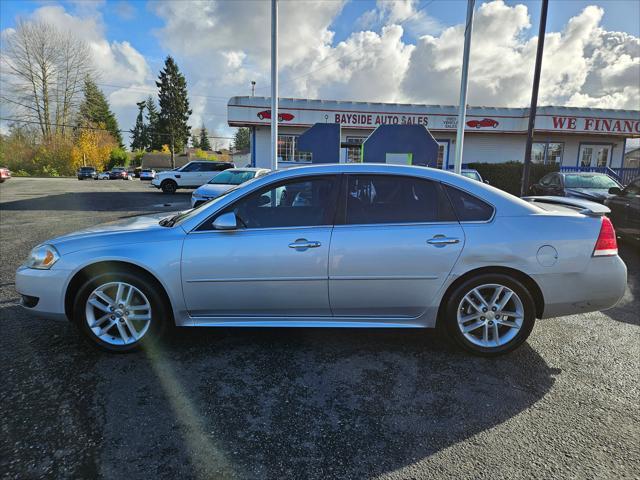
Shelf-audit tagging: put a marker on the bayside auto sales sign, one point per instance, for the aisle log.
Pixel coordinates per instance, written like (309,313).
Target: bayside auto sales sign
(245,111)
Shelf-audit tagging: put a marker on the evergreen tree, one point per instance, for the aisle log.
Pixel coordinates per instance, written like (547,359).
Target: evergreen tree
(241,139)
(94,111)
(204,139)
(139,138)
(174,107)
(195,143)
(154,138)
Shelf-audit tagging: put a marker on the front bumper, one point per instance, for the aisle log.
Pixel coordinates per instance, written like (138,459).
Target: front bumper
(48,286)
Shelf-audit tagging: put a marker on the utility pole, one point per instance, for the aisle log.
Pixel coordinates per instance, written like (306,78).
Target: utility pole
(524,187)
(462,112)
(274,84)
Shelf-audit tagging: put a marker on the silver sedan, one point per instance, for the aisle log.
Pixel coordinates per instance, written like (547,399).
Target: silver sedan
(366,246)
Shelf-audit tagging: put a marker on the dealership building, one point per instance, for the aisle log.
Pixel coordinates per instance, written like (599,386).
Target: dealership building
(571,137)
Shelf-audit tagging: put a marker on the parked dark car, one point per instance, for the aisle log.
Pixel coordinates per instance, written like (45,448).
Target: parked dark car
(473,175)
(87,172)
(119,173)
(585,185)
(625,209)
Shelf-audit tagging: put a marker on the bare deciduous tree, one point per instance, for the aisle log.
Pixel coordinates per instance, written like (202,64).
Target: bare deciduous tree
(43,71)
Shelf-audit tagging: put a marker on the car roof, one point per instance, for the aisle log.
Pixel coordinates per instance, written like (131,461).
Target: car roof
(584,174)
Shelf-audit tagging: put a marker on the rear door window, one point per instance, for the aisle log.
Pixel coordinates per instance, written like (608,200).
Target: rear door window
(468,208)
(388,199)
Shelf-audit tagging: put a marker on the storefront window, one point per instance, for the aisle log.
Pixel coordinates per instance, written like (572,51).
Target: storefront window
(594,155)
(547,152)
(354,148)
(288,151)
(537,152)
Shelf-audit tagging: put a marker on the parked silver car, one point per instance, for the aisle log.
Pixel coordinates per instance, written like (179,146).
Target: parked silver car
(351,245)
(224,182)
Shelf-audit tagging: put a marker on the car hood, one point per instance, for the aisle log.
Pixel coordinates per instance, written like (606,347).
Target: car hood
(593,194)
(125,231)
(213,189)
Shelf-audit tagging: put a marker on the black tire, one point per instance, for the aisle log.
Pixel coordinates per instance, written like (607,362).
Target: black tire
(454,300)
(161,318)
(169,186)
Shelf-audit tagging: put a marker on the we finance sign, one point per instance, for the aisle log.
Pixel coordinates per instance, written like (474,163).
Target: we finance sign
(595,125)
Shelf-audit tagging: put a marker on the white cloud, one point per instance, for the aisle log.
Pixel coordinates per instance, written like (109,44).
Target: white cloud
(583,65)
(226,45)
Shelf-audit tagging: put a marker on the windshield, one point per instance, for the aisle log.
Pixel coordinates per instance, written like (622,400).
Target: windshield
(232,177)
(471,175)
(599,182)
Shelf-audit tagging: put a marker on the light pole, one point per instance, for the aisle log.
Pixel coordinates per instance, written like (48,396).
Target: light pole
(524,187)
(462,112)
(274,84)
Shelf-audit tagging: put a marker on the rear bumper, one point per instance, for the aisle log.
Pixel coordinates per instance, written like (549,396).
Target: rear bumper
(600,286)
(47,286)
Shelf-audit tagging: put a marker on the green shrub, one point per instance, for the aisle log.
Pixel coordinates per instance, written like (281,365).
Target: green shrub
(507,176)
(118,158)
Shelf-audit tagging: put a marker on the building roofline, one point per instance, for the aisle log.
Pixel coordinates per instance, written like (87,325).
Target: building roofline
(244,98)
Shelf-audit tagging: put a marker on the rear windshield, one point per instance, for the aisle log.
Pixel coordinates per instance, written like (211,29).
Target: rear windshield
(601,182)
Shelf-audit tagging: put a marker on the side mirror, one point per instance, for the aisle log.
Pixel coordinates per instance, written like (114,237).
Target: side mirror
(487,182)
(615,191)
(226,221)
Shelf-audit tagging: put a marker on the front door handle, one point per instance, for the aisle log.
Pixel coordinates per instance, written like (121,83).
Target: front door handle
(442,240)
(302,243)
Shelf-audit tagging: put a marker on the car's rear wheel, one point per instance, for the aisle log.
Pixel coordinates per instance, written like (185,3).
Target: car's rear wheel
(169,186)
(490,314)
(120,311)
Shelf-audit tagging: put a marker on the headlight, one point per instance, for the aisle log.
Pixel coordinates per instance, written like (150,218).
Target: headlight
(42,257)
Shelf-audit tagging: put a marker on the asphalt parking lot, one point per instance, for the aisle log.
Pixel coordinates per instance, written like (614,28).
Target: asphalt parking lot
(295,403)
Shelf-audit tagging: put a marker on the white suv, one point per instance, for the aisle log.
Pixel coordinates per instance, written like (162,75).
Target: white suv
(192,175)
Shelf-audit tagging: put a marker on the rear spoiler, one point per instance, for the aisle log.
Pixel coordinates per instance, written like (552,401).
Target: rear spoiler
(585,207)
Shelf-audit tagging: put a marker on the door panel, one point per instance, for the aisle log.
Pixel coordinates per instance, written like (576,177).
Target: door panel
(389,270)
(274,262)
(397,243)
(256,272)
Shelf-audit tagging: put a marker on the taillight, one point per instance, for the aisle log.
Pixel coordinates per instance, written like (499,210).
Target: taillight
(606,245)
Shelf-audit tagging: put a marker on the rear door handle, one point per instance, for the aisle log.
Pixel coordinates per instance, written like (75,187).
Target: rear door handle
(442,240)
(304,244)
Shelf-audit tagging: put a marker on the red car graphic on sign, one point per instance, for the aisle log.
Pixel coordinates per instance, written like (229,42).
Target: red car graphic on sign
(266,114)
(485,122)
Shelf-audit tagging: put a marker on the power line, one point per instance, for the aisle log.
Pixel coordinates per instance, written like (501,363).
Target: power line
(52,124)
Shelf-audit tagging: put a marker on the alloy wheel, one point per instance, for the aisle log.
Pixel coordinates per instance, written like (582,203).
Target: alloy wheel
(118,313)
(490,315)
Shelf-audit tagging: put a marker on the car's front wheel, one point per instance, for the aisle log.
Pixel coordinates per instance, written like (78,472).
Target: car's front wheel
(169,186)
(120,311)
(490,314)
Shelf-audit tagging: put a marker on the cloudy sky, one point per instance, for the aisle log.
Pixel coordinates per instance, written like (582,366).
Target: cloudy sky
(385,51)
